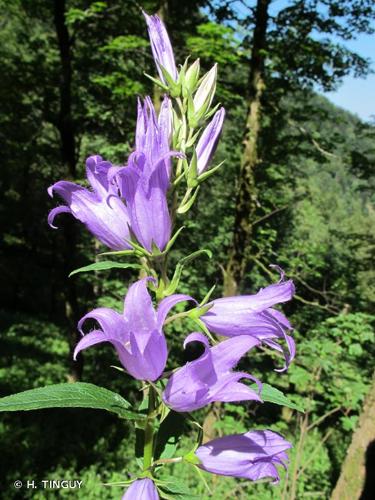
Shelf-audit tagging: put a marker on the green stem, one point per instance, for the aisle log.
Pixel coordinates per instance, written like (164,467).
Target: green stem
(149,432)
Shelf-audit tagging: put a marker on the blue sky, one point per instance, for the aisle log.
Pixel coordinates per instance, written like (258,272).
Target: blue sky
(354,94)
(357,94)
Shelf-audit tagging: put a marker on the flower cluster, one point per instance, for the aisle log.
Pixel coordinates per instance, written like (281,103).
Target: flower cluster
(128,210)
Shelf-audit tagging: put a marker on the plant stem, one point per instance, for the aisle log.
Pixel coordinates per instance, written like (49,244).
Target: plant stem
(149,432)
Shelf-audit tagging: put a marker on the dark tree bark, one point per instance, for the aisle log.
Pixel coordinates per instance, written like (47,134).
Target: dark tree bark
(65,125)
(246,199)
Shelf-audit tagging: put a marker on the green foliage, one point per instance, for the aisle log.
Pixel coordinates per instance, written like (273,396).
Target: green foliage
(77,395)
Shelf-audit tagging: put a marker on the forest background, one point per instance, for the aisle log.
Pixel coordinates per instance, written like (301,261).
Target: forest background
(296,190)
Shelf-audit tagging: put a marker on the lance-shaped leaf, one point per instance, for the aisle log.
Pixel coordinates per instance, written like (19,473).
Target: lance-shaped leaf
(103,266)
(270,394)
(69,395)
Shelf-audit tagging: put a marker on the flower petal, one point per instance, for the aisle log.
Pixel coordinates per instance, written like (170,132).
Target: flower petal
(227,354)
(57,211)
(111,322)
(139,312)
(93,338)
(141,489)
(166,305)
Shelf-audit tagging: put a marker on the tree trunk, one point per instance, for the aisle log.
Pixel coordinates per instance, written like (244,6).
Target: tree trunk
(246,199)
(65,125)
(246,194)
(357,479)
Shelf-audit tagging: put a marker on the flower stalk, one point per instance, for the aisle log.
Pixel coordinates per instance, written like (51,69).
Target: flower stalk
(148,449)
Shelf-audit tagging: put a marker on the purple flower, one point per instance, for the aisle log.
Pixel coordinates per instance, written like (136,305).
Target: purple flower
(142,489)
(144,182)
(136,334)
(210,377)
(253,315)
(161,47)
(146,201)
(101,209)
(207,143)
(253,455)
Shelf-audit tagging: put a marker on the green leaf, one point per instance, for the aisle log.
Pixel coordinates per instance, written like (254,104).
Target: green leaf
(272,395)
(169,434)
(175,490)
(69,395)
(104,265)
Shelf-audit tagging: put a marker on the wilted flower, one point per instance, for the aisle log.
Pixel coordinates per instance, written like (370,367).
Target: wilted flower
(207,143)
(161,47)
(136,334)
(101,210)
(253,315)
(253,455)
(210,377)
(142,489)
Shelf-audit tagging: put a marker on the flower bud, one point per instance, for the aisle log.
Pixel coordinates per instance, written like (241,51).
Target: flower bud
(207,143)
(161,49)
(205,94)
(191,77)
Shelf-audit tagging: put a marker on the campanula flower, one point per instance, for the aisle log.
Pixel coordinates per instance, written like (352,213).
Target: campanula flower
(253,455)
(253,315)
(161,47)
(210,377)
(144,182)
(142,489)
(146,200)
(207,143)
(137,334)
(101,210)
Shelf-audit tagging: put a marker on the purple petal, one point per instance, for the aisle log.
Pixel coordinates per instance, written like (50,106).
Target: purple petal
(207,143)
(93,338)
(57,211)
(161,46)
(110,321)
(139,312)
(252,455)
(166,305)
(146,365)
(97,174)
(196,337)
(141,489)
(108,223)
(227,354)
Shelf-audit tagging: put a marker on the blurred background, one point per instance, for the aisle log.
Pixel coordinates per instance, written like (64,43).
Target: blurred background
(70,74)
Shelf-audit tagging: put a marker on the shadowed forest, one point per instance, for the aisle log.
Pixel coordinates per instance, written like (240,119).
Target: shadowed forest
(296,189)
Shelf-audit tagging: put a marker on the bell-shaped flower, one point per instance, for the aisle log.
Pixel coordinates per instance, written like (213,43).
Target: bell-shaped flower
(142,489)
(207,143)
(210,377)
(137,333)
(253,455)
(146,201)
(101,210)
(161,47)
(254,315)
